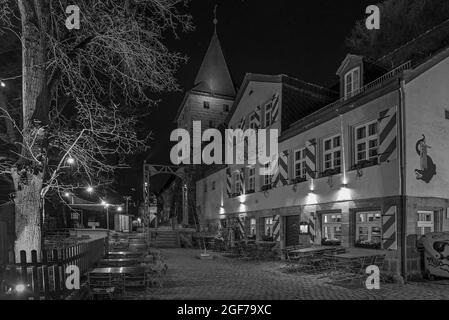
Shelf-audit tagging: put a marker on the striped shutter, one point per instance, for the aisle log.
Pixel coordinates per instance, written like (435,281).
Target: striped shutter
(389,233)
(282,179)
(228,181)
(312,229)
(241,227)
(388,133)
(275,176)
(311,158)
(258,116)
(275,108)
(276,228)
(242,181)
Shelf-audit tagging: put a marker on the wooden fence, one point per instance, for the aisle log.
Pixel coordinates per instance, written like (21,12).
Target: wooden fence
(46,276)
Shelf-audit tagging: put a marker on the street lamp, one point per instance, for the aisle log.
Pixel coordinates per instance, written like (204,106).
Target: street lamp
(67,195)
(90,189)
(70,161)
(2,84)
(119,209)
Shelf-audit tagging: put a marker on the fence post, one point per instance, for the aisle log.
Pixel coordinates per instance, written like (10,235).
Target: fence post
(23,267)
(46,288)
(56,273)
(36,284)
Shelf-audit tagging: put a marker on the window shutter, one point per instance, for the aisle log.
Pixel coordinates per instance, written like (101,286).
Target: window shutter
(388,133)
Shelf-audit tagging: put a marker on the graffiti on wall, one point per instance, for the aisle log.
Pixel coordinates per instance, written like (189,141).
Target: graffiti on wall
(427,168)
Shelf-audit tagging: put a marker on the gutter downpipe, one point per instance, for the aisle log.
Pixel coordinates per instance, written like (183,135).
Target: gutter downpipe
(403,206)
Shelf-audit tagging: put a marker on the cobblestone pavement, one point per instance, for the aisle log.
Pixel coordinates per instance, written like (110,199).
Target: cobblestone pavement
(223,278)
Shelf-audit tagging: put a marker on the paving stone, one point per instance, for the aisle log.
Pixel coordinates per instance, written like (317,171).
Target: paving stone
(189,278)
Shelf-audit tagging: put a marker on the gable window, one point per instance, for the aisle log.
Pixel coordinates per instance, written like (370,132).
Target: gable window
(368,228)
(268,115)
(425,222)
(252,179)
(206,105)
(300,164)
(226,108)
(252,121)
(332,227)
(352,82)
(366,143)
(332,154)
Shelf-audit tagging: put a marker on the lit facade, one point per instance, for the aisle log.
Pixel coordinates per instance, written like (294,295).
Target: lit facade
(370,170)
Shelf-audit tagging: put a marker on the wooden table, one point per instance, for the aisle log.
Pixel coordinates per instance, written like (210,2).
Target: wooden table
(120,262)
(311,250)
(133,270)
(127,254)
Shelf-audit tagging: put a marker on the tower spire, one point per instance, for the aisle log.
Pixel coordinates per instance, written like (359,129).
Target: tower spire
(215,19)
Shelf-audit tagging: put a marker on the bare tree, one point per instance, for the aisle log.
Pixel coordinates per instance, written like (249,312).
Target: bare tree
(80,93)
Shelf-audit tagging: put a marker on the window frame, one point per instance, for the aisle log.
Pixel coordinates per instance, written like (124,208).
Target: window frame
(206,105)
(332,152)
(332,224)
(422,224)
(252,179)
(366,141)
(368,224)
(237,182)
(351,73)
(270,233)
(265,176)
(252,121)
(302,162)
(253,227)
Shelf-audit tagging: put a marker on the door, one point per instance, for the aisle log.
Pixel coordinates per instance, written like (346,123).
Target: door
(291,230)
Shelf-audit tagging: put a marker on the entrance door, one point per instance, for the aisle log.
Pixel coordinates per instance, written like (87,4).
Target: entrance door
(292,230)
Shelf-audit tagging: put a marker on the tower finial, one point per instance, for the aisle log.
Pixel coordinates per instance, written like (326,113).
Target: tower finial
(215,18)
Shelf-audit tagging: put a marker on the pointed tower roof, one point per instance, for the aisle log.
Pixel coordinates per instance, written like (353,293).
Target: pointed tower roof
(213,76)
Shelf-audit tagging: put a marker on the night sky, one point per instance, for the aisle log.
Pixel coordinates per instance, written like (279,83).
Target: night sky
(303,39)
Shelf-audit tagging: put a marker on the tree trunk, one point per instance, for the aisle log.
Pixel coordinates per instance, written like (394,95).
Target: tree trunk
(28,174)
(28,206)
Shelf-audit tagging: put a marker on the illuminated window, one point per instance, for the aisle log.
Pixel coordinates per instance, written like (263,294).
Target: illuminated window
(269,226)
(331,226)
(332,153)
(253,227)
(366,142)
(425,222)
(368,227)
(352,82)
(300,164)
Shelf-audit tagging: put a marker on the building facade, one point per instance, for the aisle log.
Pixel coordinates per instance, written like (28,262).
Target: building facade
(368,170)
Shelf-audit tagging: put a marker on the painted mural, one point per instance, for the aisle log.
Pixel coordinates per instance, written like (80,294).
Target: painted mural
(427,168)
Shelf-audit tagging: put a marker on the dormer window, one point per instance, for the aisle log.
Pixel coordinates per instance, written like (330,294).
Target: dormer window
(352,82)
